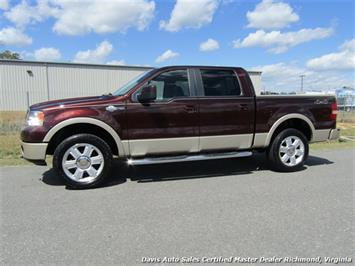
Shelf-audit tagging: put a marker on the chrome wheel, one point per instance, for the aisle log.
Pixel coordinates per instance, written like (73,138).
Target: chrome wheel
(83,162)
(291,151)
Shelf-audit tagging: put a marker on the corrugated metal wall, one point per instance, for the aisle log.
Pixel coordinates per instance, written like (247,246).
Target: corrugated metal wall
(15,81)
(24,83)
(76,81)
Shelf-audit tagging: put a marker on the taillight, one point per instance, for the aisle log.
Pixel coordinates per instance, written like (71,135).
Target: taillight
(333,114)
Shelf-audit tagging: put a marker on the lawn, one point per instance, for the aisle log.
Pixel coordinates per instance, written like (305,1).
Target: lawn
(11,122)
(10,125)
(346,116)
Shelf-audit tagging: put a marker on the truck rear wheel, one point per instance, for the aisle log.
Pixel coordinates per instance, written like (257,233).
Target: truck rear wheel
(288,151)
(83,160)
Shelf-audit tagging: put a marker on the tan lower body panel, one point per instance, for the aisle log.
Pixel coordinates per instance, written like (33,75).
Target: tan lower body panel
(143,147)
(260,140)
(34,151)
(222,142)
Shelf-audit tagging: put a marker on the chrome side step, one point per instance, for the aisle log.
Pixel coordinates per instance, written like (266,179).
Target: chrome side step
(188,158)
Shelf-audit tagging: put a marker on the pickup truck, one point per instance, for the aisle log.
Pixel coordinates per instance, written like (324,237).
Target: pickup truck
(175,114)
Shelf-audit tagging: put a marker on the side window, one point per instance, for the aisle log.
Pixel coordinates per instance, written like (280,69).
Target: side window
(170,84)
(220,82)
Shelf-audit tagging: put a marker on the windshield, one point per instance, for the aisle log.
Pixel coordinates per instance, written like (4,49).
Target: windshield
(126,88)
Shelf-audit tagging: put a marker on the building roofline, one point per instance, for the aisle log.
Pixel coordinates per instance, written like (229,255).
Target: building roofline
(11,61)
(15,61)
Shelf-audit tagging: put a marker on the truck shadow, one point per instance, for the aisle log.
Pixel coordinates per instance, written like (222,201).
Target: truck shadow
(182,171)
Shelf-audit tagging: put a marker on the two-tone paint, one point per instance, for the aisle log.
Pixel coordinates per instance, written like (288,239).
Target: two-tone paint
(184,125)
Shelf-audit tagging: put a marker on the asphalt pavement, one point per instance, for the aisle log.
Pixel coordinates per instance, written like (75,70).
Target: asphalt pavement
(210,209)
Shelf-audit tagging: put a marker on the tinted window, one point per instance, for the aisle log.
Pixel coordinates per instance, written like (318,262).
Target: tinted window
(220,82)
(170,84)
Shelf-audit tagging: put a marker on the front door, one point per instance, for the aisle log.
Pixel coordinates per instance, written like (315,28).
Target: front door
(170,123)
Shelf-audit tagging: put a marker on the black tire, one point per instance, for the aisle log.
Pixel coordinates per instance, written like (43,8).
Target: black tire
(79,159)
(275,154)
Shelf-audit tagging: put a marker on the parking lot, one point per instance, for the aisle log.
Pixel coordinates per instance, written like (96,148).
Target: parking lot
(234,207)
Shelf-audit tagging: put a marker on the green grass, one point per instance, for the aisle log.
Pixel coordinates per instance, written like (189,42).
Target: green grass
(347,128)
(10,126)
(348,117)
(10,146)
(10,151)
(11,123)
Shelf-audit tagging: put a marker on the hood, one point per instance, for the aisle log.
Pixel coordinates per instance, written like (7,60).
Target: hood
(72,101)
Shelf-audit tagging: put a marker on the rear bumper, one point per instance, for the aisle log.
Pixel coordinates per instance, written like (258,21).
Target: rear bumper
(34,151)
(325,134)
(334,134)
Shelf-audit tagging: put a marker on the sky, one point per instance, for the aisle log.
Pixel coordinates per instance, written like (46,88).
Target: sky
(283,39)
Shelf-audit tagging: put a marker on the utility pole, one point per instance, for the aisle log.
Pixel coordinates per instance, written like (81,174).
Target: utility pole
(302,76)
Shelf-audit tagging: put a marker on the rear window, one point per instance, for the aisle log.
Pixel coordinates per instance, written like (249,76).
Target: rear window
(220,82)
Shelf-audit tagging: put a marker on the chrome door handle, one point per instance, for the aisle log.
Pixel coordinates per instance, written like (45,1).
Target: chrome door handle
(112,108)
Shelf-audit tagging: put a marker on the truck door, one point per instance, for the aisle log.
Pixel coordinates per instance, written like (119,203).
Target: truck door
(226,114)
(169,124)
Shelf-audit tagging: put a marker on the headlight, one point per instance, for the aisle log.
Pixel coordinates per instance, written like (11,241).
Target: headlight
(35,118)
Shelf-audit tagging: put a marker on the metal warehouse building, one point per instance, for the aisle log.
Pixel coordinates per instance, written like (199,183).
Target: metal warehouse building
(23,83)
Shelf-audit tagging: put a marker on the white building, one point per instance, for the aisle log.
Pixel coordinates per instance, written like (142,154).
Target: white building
(24,83)
(255,77)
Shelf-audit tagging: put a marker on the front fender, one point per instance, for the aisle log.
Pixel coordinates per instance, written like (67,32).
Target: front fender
(87,120)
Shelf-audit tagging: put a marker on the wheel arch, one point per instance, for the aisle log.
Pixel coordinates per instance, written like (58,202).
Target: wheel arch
(104,128)
(295,120)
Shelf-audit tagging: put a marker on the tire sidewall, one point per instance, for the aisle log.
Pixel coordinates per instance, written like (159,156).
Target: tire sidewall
(83,138)
(274,157)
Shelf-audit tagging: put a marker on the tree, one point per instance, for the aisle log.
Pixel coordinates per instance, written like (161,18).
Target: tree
(9,55)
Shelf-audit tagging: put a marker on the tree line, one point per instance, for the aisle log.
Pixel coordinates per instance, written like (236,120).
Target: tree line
(9,55)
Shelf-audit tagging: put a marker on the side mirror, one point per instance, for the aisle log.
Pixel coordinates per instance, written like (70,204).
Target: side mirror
(148,94)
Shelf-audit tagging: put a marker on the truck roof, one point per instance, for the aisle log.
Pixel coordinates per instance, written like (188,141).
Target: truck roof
(209,66)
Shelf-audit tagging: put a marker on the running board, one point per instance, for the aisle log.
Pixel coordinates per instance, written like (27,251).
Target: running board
(188,158)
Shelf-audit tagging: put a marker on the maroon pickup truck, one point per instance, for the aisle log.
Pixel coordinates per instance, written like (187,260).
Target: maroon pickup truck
(175,114)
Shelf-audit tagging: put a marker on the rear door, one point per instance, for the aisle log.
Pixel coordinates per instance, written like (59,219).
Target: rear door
(226,113)
(168,125)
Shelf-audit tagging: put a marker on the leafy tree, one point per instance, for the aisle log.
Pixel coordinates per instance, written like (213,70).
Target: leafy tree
(9,55)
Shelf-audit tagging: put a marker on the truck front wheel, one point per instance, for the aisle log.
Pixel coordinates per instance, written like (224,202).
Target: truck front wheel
(288,151)
(83,160)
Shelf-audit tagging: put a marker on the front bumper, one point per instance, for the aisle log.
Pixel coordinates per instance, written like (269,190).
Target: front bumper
(34,151)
